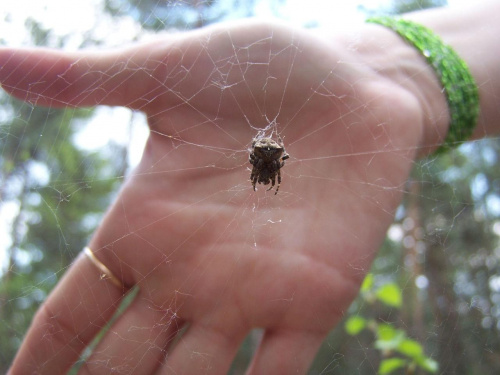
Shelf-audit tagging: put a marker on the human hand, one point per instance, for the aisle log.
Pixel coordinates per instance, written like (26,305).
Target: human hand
(206,250)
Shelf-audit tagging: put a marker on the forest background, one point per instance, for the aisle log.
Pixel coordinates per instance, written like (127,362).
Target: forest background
(430,305)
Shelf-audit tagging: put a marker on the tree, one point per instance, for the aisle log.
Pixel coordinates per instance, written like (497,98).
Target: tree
(57,192)
(181,14)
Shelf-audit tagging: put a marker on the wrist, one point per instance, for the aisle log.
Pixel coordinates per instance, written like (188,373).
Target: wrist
(390,57)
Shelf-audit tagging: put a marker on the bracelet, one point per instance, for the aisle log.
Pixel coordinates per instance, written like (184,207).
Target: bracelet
(456,79)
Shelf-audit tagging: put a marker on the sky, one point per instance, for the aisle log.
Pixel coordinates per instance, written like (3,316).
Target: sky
(66,17)
(75,18)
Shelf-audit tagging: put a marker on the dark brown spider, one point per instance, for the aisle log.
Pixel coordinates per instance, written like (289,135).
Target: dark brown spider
(267,157)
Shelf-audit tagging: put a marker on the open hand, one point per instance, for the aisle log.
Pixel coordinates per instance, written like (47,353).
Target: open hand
(207,252)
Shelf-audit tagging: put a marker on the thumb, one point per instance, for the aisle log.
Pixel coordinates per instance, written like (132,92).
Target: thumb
(56,78)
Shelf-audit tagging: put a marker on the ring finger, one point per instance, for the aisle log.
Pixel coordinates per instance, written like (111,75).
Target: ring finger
(136,342)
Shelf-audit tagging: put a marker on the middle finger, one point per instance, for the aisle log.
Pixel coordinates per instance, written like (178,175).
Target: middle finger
(136,343)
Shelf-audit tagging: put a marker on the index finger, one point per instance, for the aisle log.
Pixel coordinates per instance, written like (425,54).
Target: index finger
(58,78)
(76,310)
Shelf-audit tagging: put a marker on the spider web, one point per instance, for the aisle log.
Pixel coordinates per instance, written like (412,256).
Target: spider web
(470,298)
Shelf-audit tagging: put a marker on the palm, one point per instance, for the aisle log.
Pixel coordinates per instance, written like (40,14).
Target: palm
(209,251)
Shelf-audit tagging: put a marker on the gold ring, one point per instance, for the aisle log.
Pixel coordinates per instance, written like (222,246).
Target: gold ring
(105,271)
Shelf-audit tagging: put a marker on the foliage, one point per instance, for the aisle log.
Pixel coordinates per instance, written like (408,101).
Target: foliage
(58,192)
(397,349)
(405,6)
(55,193)
(449,223)
(182,14)
(160,15)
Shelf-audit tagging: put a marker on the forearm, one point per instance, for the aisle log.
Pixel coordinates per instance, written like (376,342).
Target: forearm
(473,32)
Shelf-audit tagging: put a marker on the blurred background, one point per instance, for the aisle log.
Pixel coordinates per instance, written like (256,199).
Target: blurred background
(432,301)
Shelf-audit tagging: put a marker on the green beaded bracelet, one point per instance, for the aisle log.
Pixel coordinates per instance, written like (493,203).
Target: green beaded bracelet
(458,84)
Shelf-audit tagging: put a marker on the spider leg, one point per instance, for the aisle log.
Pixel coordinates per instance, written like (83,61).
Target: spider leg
(251,159)
(254,181)
(273,182)
(282,162)
(279,182)
(257,166)
(253,177)
(275,168)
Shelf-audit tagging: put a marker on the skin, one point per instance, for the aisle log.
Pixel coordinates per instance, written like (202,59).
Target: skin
(187,227)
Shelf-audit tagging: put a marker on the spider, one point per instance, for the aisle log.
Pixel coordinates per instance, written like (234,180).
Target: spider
(267,157)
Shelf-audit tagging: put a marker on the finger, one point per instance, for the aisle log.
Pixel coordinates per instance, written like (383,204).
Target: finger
(136,342)
(64,325)
(56,78)
(203,350)
(286,352)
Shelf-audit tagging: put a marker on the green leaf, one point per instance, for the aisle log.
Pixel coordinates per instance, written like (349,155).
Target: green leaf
(354,325)
(428,364)
(390,294)
(367,283)
(389,338)
(411,348)
(389,365)
(415,351)
(386,331)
